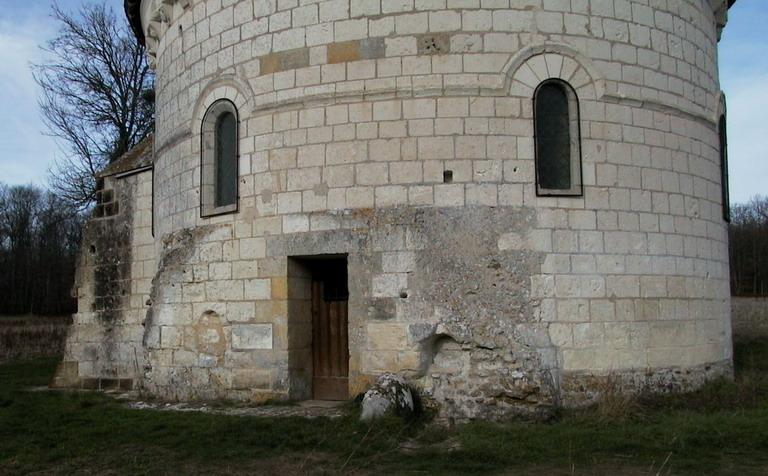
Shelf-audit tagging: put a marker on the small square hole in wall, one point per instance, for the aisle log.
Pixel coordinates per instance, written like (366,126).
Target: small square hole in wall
(433,44)
(447,176)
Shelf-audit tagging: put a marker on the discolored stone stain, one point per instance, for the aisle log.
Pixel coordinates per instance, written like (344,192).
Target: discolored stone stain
(108,238)
(103,336)
(586,388)
(210,338)
(482,316)
(343,51)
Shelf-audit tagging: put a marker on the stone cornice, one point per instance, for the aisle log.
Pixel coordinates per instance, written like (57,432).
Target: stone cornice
(720,7)
(150,18)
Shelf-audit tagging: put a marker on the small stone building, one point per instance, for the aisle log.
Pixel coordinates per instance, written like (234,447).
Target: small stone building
(505,201)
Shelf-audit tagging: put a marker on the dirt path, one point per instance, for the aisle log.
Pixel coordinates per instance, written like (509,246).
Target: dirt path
(308,409)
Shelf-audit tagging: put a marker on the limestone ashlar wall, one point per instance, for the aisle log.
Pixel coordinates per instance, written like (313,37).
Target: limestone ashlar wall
(114,275)
(288,52)
(351,115)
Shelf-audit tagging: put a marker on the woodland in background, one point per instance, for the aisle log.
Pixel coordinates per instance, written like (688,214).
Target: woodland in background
(39,239)
(97,100)
(749,248)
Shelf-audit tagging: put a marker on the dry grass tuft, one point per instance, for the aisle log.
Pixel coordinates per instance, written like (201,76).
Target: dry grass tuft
(615,404)
(28,337)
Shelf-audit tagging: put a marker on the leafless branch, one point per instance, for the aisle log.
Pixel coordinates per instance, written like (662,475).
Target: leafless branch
(95,96)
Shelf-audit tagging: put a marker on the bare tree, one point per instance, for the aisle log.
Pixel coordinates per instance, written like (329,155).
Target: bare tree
(39,236)
(97,96)
(748,240)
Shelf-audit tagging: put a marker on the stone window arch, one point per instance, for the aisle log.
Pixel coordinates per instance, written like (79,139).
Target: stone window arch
(723,145)
(557,139)
(219,136)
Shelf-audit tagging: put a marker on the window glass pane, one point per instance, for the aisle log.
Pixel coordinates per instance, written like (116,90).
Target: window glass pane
(553,137)
(226,159)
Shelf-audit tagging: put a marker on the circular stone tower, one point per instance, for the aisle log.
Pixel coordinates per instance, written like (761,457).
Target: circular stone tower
(506,201)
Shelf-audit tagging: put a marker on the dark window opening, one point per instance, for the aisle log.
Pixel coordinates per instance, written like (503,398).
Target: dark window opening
(722,132)
(556,130)
(553,138)
(219,174)
(226,159)
(448,176)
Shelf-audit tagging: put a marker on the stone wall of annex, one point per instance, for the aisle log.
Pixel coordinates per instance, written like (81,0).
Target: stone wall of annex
(104,347)
(400,133)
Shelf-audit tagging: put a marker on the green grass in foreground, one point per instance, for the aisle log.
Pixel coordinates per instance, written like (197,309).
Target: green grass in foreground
(721,429)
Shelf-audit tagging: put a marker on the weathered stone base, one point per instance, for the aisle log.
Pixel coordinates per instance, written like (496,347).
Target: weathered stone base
(473,383)
(454,313)
(451,312)
(67,376)
(585,388)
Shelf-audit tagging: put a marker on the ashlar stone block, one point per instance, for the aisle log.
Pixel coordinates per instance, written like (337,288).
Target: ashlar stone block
(251,336)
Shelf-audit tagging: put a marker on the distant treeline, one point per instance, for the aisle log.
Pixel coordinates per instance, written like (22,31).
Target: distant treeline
(749,248)
(39,240)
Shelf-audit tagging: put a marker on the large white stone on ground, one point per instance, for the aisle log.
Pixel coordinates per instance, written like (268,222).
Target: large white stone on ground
(390,394)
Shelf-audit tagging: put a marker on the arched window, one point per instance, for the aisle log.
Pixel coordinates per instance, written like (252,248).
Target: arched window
(218,169)
(557,139)
(722,132)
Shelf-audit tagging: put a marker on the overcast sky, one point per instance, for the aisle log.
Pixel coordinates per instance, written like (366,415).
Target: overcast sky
(26,153)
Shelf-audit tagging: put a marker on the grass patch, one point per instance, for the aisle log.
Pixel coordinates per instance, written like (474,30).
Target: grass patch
(720,429)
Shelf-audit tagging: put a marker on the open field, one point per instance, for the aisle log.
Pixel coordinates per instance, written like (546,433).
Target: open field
(722,429)
(25,337)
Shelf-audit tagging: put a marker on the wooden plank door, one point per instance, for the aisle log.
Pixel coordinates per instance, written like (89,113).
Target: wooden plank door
(330,348)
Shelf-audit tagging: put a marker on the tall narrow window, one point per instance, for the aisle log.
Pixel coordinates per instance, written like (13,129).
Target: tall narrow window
(226,159)
(219,172)
(722,132)
(558,148)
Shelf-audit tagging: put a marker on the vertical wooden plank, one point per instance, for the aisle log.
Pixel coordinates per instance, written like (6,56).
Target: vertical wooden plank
(315,326)
(333,324)
(344,339)
(325,342)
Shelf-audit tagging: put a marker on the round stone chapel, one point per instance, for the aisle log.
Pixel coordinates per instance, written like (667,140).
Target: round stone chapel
(507,202)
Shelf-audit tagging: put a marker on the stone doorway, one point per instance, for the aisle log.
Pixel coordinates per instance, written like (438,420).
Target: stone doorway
(318,327)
